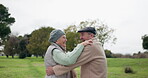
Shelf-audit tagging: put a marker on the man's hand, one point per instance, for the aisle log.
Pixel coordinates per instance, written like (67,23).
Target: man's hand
(49,71)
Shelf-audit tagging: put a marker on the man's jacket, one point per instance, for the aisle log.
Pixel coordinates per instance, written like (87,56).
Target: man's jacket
(92,61)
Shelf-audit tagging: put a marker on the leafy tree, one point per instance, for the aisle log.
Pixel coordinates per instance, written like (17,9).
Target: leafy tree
(104,33)
(11,46)
(72,37)
(108,53)
(23,52)
(145,42)
(22,55)
(5,22)
(38,42)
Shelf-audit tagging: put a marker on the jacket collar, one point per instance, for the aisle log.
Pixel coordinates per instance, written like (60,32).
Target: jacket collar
(57,45)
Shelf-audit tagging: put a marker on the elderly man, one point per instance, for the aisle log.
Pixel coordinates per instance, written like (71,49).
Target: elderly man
(56,53)
(92,60)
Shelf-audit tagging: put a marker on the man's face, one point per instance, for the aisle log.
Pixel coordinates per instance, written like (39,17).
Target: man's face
(62,41)
(85,36)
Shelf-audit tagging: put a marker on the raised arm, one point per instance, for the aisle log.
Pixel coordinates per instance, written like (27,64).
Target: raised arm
(69,57)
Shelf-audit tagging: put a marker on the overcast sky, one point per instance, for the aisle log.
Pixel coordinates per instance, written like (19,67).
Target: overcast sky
(129,18)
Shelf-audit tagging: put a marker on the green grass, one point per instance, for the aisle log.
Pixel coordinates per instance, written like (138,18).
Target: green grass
(21,68)
(34,68)
(116,67)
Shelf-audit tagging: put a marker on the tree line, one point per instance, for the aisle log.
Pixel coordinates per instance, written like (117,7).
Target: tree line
(139,54)
(37,42)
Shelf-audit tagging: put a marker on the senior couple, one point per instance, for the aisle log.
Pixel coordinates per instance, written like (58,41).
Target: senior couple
(89,55)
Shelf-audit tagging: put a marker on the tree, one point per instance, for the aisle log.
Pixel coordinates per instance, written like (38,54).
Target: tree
(104,33)
(108,53)
(5,22)
(145,42)
(72,37)
(11,46)
(23,52)
(38,42)
(118,55)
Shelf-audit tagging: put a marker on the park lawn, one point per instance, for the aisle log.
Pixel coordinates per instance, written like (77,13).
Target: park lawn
(116,67)
(34,68)
(22,68)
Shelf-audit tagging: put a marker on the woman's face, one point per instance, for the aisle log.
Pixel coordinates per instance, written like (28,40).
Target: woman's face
(62,41)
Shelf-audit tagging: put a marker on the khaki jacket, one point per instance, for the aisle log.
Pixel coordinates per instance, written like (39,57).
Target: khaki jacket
(92,61)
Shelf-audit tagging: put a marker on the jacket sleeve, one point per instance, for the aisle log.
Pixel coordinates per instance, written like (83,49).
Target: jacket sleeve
(69,57)
(84,58)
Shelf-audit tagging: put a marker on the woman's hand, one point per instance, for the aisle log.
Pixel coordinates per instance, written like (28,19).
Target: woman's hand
(87,42)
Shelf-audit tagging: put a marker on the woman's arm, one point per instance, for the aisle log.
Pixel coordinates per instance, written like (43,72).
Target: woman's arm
(69,57)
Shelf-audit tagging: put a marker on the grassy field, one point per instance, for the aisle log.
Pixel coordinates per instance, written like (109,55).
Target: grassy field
(34,68)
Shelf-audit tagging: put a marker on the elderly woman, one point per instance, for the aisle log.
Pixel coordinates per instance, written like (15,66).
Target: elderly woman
(56,53)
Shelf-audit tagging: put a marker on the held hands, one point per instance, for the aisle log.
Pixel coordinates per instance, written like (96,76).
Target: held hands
(87,42)
(49,71)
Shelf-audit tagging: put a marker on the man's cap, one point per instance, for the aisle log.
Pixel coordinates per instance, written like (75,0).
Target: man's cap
(55,35)
(88,29)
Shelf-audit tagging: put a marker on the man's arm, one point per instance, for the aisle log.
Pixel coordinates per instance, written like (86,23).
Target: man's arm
(86,56)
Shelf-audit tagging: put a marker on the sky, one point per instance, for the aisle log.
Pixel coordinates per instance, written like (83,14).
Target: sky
(128,17)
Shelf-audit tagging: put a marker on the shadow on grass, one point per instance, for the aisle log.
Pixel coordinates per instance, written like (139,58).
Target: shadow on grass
(2,67)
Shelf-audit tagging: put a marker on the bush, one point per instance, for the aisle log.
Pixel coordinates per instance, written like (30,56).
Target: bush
(128,70)
(22,55)
(29,55)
